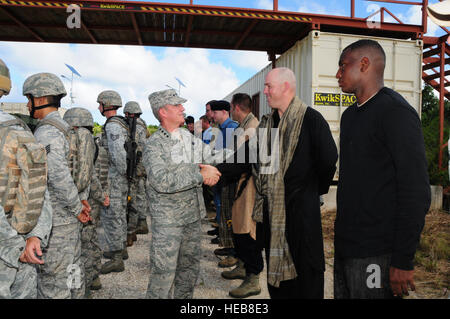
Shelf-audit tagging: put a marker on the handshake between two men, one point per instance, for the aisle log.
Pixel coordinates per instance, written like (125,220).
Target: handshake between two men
(211,175)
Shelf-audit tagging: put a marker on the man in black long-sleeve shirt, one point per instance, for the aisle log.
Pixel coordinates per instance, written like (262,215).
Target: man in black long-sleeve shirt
(383,192)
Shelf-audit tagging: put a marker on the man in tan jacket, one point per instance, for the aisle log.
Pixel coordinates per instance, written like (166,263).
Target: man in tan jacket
(250,262)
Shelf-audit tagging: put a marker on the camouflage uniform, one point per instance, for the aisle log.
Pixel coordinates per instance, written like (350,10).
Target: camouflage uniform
(138,197)
(114,216)
(176,205)
(18,279)
(91,253)
(63,253)
(99,191)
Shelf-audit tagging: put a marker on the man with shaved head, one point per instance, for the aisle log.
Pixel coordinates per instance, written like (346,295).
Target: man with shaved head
(383,191)
(287,205)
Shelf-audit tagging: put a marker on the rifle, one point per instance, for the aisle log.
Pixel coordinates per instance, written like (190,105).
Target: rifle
(131,147)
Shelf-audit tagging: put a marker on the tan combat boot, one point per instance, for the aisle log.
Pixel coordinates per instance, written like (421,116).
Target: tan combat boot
(142,227)
(237,273)
(115,264)
(96,284)
(109,255)
(230,261)
(249,287)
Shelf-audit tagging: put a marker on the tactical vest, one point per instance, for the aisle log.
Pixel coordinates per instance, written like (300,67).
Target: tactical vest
(101,164)
(140,171)
(23,176)
(141,122)
(113,119)
(81,164)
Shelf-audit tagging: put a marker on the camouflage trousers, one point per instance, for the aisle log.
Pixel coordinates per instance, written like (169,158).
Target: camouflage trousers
(91,253)
(138,207)
(174,261)
(62,274)
(113,218)
(18,283)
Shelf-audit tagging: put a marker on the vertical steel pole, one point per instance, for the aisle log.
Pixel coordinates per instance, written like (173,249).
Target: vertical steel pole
(275,5)
(352,9)
(424,16)
(441,103)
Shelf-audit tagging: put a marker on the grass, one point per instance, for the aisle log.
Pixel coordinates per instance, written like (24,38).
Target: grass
(432,259)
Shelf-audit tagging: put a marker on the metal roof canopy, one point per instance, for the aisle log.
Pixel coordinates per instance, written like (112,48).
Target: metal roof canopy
(184,25)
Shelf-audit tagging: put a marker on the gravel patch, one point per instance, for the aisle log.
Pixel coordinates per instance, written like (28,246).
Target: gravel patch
(132,283)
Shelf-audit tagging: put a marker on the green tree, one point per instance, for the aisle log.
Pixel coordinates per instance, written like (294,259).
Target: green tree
(97,129)
(152,128)
(430,127)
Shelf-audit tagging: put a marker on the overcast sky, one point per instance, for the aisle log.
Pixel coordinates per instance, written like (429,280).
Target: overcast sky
(136,71)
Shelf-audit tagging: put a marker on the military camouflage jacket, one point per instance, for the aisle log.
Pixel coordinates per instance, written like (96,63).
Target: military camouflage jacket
(174,182)
(141,130)
(141,137)
(65,201)
(99,182)
(11,243)
(116,135)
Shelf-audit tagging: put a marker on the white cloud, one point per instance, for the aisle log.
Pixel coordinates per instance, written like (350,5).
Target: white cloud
(411,16)
(265,4)
(414,16)
(249,59)
(133,71)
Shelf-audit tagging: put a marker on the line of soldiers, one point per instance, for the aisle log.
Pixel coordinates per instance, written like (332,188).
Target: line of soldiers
(58,182)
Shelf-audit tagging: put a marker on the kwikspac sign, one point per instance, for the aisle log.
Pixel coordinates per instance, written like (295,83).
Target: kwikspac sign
(334,99)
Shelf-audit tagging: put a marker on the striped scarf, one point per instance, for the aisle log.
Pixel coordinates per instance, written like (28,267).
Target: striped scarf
(271,185)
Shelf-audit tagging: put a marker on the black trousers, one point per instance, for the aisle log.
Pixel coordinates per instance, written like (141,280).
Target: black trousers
(307,285)
(362,278)
(208,195)
(248,250)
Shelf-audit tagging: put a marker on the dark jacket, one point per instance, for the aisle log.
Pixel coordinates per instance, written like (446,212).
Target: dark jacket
(309,175)
(383,192)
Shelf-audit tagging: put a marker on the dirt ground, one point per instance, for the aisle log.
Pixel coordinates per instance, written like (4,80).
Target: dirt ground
(431,281)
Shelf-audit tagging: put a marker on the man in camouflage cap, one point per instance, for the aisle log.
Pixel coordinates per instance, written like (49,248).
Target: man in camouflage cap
(137,210)
(175,197)
(81,120)
(20,253)
(63,277)
(113,218)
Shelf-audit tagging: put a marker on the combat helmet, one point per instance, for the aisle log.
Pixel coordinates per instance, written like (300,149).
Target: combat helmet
(110,100)
(5,79)
(132,107)
(79,116)
(44,84)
